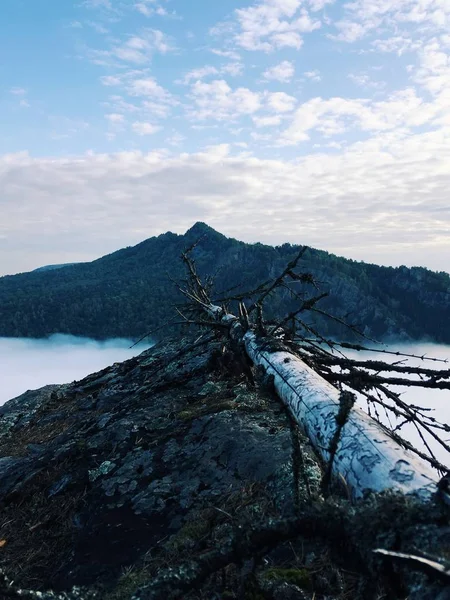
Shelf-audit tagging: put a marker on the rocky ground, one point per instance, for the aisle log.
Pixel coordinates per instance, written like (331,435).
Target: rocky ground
(179,474)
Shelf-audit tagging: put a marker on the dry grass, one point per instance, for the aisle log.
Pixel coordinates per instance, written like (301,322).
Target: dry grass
(16,445)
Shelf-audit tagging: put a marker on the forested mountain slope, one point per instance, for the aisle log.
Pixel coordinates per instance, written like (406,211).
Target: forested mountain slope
(129,292)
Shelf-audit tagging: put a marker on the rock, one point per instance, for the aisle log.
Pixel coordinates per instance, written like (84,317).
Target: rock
(127,458)
(109,483)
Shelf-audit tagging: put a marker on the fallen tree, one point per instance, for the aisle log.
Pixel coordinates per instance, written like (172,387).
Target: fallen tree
(357,449)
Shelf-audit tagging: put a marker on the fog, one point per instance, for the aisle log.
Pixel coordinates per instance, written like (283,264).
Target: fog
(437,400)
(27,364)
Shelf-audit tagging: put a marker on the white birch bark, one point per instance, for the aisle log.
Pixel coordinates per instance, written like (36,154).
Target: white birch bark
(367,457)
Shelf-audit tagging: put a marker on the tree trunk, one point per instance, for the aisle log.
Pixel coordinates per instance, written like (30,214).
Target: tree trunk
(367,458)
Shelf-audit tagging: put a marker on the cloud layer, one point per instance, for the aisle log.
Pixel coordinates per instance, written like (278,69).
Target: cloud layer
(30,364)
(364,201)
(438,401)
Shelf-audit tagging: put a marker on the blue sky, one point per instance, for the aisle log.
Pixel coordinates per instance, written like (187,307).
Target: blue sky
(311,121)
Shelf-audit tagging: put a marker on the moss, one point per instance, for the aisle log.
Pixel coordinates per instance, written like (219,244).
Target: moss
(190,533)
(299,577)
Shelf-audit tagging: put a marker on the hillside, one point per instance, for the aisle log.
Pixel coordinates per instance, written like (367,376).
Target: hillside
(179,474)
(129,292)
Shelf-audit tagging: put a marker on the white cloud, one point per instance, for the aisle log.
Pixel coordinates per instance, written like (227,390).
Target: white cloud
(406,99)
(234,69)
(155,109)
(143,128)
(137,49)
(351,31)
(365,81)
(118,104)
(18,91)
(403,109)
(261,137)
(313,75)
(144,9)
(147,87)
(283,72)
(391,191)
(111,80)
(98,27)
(149,8)
(158,101)
(280,102)
(398,44)
(200,73)
(433,74)
(231,54)
(287,39)
(270,121)
(176,139)
(316,5)
(270,24)
(434,69)
(218,101)
(115,118)
(383,16)
(153,99)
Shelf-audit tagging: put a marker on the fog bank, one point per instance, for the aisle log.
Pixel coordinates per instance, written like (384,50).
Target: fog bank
(27,364)
(436,400)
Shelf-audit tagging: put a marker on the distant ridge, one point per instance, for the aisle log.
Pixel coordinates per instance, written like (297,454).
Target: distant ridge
(128,293)
(53,267)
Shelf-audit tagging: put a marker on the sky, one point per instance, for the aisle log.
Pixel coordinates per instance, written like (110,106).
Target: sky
(318,122)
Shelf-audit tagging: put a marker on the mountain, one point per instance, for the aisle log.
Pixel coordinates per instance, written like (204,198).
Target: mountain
(129,293)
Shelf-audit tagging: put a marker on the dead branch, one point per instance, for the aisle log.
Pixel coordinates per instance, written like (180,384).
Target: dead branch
(324,356)
(418,563)
(287,271)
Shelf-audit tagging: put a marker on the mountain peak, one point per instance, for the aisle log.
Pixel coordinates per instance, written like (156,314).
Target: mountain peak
(199,228)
